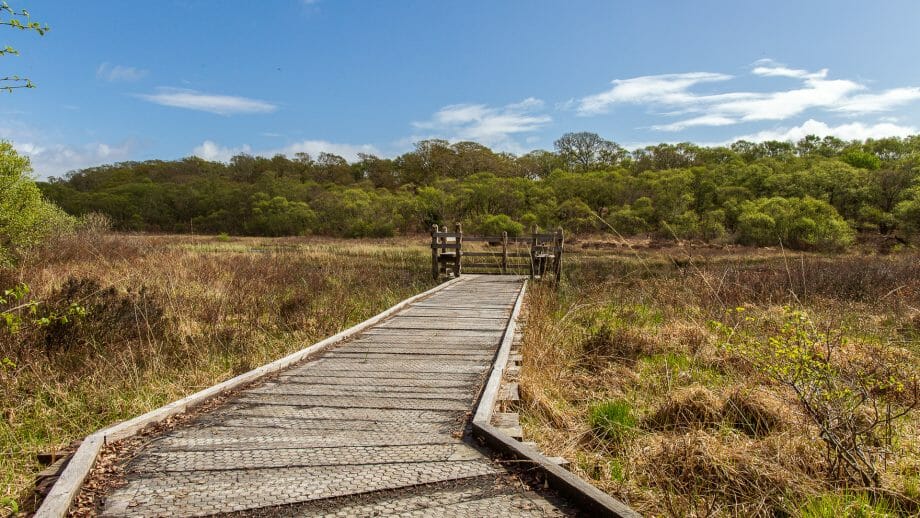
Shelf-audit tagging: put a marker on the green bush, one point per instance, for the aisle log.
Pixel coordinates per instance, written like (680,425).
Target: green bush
(612,419)
(908,213)
(495,225)
(576,215)
(802,223)
(862,159)
(26,219)
(279,217)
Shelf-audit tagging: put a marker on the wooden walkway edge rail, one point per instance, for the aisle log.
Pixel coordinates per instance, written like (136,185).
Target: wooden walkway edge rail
(452,253)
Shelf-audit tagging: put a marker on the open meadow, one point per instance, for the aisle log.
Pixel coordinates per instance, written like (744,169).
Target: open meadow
(684,380)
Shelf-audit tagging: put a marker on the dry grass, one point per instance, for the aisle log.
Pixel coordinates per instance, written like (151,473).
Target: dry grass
(630,336)
(167,316)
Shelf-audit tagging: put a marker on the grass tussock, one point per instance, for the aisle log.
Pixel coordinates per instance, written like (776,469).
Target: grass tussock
(123,324)
(651,376)
(688,408)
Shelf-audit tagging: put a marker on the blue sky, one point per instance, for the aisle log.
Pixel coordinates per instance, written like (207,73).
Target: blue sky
(139,80)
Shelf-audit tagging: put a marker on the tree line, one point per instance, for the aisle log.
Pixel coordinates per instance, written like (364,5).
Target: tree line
(812,194)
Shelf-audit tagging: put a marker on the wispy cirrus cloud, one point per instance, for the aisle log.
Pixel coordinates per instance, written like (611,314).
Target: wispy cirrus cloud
(702,120)
(881,102)
(674,95)
(663,89)
(112,73)
(211,103)
(488,125)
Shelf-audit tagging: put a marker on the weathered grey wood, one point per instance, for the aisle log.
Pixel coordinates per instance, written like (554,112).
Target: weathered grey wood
(459,256)
(509,392)
(504,252)
(487,401)
(434,252)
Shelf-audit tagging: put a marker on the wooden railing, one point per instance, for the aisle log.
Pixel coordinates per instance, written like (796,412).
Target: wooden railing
(538,254)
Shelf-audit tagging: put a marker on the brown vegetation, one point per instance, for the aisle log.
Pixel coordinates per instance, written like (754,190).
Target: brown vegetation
(647,371)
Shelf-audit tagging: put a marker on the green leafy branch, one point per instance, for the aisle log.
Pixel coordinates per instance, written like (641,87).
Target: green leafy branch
(21,20)
(853,400)
(29,311)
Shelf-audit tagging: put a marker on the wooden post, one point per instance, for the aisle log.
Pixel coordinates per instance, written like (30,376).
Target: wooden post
(459,240)
(443,239)
(558,265)
(504,252)
(533,251)
(435,271)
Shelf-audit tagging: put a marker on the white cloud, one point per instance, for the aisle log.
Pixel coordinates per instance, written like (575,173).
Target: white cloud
(212,103)
(769,68)
(210,150)
(658,89)
(57,159)
(885,101)
(703,120)
(110,72)
(850,131)
(490,126)
(672,94)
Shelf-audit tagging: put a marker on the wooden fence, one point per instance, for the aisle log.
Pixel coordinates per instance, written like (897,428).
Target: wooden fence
(537,254)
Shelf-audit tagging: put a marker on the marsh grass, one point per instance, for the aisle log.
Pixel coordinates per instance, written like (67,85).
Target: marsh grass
(710,433)
(167,316)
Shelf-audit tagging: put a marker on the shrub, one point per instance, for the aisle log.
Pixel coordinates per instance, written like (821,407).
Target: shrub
(853,398)
(26,219)
(576,215)
(682,226)
(81,312)
(712,225)
(633,219)
(496,224)
(862,159)
(803,223)
(612,419)
(627,222)
(908,213)
(279,217)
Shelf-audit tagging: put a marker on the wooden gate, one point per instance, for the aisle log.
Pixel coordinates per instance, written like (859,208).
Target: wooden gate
(538,254)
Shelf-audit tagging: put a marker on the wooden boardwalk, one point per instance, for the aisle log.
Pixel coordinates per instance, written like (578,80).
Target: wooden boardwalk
(372,427)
